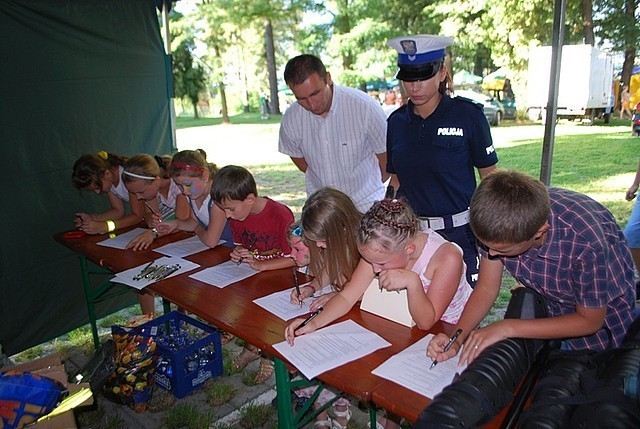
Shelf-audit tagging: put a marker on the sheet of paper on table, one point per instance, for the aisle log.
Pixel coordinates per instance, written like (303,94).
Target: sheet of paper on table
(279,303)
(186,247)
(328,348)
(121,240)
(224,274)
(126,277)
(410,369)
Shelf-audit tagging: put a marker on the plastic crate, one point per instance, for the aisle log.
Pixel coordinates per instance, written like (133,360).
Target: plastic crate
(189,352)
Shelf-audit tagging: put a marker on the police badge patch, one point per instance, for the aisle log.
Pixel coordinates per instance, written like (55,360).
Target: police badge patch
(409,47)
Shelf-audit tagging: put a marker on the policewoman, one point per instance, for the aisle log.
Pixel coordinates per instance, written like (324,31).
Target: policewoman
(435,142)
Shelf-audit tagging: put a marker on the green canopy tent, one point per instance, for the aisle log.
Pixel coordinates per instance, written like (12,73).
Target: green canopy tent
(76,76)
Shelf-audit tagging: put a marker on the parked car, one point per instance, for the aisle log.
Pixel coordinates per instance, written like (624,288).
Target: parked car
(493,111)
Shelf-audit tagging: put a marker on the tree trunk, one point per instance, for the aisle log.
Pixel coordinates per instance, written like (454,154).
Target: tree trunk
(274,104)
(195,110)
(223,102)
(587,22)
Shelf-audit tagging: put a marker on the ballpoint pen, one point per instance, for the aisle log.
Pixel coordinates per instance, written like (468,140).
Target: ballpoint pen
(295,282)
(249,249)
(309,319)
(448,346)
(146,203)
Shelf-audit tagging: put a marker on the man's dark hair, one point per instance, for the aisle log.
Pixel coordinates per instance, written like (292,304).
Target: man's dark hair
(299,68)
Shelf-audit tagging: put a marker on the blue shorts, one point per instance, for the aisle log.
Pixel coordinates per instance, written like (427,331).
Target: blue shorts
(632,230)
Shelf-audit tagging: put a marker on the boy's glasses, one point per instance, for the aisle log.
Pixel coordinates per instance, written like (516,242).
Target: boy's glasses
(297,232)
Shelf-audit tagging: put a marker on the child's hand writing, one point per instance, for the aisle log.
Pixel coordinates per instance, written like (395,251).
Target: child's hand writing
(305,292)
(241,254)
(167,227)
(292,330)
(435,349)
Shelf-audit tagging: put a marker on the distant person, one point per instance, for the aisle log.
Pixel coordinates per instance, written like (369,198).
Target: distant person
(559,243)
(632,230)
(625,98)
(335,135)
(390,102)
(259,227)
(436,143)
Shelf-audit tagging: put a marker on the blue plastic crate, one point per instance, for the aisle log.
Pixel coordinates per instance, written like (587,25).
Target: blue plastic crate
(189,352)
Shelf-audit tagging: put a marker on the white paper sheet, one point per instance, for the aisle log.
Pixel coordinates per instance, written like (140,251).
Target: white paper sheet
(121,240)
(182,248)
(126,277)
(279,303)
(224,274)
(330,347)
(410,368)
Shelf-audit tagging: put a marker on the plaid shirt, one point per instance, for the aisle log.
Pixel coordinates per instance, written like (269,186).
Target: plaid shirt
(584,260)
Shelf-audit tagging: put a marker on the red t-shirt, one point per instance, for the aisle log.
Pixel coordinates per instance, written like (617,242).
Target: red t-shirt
(267,231)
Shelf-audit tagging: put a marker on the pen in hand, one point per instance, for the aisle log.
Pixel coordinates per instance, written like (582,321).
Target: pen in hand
(309,319)
(448,346)
(249,249)
(295,282)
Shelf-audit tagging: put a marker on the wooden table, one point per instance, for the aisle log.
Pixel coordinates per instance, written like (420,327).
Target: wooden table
(232,309)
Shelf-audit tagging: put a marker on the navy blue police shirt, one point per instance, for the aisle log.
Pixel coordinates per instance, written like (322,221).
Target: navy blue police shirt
(434,158)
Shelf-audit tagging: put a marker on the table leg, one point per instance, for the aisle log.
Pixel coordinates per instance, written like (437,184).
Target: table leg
(373,421)
(283,392)
(88,295)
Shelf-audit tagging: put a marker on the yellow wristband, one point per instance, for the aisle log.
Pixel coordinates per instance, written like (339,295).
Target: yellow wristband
(111,226)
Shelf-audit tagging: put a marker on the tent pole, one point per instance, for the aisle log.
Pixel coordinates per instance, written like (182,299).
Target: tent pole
(552,102)
(166,6)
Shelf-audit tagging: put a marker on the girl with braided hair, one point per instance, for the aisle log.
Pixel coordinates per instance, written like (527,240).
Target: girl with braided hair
(392,247)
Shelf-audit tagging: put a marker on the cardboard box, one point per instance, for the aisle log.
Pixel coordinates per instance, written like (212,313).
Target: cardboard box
(51,366)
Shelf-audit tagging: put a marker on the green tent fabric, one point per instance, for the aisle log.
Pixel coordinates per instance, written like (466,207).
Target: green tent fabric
(76,76)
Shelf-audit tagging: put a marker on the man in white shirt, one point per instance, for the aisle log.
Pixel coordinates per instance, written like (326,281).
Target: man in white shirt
(334,134)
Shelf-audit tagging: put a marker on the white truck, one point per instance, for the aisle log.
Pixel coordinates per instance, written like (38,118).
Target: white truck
(585,87)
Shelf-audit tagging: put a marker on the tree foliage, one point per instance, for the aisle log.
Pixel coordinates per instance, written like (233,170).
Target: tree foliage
(189,77)
(250,40)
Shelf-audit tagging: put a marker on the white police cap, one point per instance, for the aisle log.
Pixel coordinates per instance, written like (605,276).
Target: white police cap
(419,55)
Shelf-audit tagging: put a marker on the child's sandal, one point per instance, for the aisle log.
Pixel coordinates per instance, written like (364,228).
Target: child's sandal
(265,371)
(241,361)
(346,415)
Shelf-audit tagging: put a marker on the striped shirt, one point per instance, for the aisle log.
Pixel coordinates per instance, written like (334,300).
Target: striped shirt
(341,148)
(584,260)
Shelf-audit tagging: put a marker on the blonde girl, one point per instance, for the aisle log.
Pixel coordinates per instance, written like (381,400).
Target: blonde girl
(194,177)
(146,179)
(329,222)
